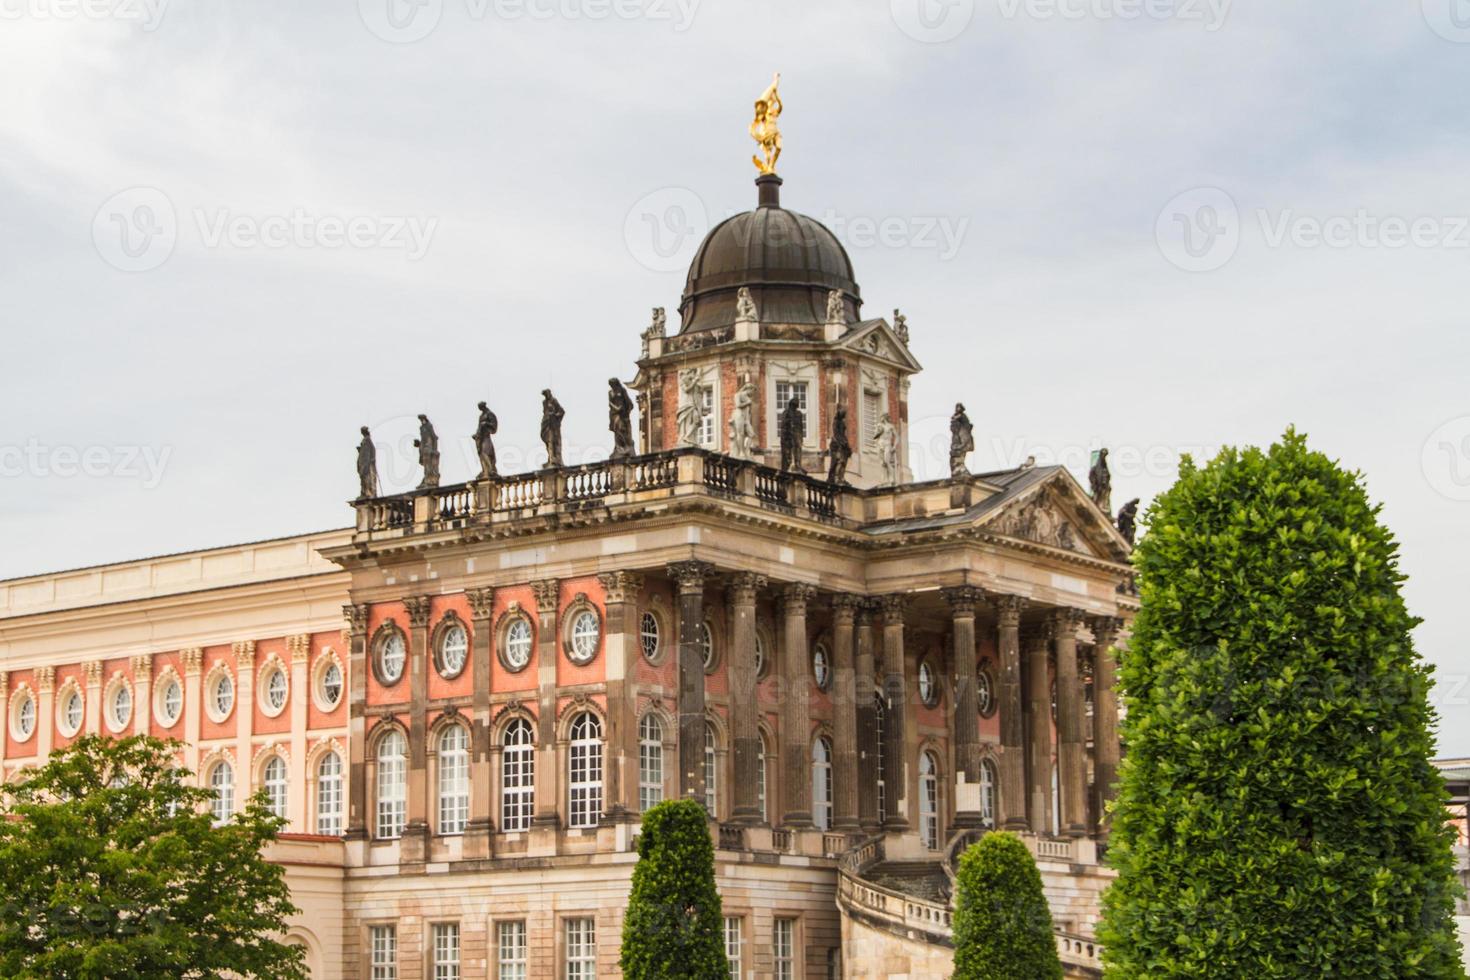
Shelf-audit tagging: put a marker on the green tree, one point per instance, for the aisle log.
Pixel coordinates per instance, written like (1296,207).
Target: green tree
(1277,815)
(1002,925)
(674,925)
(110,870)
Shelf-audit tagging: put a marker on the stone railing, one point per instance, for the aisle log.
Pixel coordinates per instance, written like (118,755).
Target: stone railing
(1079,952)
(905,913)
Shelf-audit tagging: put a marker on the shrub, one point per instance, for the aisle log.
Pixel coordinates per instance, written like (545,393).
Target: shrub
(674,925)
(1002,925)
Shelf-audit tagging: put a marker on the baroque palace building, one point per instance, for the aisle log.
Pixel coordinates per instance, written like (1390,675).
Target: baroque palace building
(462,703)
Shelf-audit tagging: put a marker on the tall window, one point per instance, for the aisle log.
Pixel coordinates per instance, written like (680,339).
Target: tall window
(929,801)
(650,761)
(734,945)
(880,719)
(787,390)
(329,795)
(383,952)
(446,951)
(584,768)
(1056,802)
(822,783)
(122,705)
(392,784)
(222,781)
(581,949)
(711,771)
(707,415)
(987,792)
(275,785)
(454,780)
(517,776)
(510,950)
(760,765)
(872,412)
(785,949)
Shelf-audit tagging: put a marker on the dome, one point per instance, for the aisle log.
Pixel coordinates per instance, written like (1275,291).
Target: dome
(789,261)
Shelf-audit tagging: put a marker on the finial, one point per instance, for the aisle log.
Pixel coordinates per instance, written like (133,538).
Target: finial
(766,130)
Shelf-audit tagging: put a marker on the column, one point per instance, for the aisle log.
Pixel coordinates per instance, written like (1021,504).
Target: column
(244,651)
(193,704)
(865,694)
(620,591)
(414,847)
(844,709)
(4,721)
(1106,751)
(690,576)
(962,602)
(1038,732)
(796,725)
(1071,743)
(142,666)
(482,771)
(548,600)
(896,698)
(745,733)
(299,647)
(354,631)
(45,710)
(1012,789)
(94,697)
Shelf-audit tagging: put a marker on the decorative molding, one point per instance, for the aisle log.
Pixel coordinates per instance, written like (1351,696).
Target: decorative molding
(893,607)
(962,600)
(690,575)
(93,669)
(621,587)
(1040,519)
(244,651)
(845,607)
(1065,622)
(417,607)
(192,658)
(45,679)
(547,593)
(482,602)
(794,598)
(299,647)
(355,619)
(1008,608)
(743,588)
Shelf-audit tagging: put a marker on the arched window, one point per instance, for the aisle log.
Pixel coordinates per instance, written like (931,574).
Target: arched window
(929,800)
(329,795)
(880,722)
(222,782)
(761,776)
(276,785)
(987,792)
(706,642)
(711,771)
(584,771)
(517,776)
(822,783)
(650,761)
(454,779)
(1056,802)
(392,785)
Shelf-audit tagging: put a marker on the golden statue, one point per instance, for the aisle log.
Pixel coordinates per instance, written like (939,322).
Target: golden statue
(765,130)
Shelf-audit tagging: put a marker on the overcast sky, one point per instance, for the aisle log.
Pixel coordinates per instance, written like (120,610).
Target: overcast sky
(233,233)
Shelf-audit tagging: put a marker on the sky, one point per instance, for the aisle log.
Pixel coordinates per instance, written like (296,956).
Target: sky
(233,233)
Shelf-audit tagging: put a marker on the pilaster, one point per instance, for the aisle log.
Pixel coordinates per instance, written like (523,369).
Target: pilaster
(796,725)
(740,597)
(354,632)
(1071,744)
(896,699)
(482,769)
(690,576)
(621,591)
(1012,789)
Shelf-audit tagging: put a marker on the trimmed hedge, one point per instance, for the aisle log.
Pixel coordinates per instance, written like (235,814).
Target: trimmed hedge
(1002,925)
(674,926)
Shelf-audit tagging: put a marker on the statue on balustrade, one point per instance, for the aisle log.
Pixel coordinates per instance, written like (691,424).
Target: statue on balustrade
(1128,520)
(901,327)
(428,446)
(551,415)
(1102,481)
(485,442)
(742,422)
(836,309)
(745,311)
(839,450)
(620,418)
(690,418)
(793,433)
(961,443)
(367,467)
(885,438)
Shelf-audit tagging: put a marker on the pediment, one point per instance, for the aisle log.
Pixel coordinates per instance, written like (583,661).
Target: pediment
(877,339)
(1057,514)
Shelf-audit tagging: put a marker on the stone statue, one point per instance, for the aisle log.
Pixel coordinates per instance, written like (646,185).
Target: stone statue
(660,324)
(1128,520)
(901,327)
(793,432)
(836,309)
(839,450)
(428,446)
(620,418)
(690,418)
(551,415)
(742,422)
(766,130)
(367,467)
(485,442)
(961,443)
(885,437)
(1102,481)
(745,311)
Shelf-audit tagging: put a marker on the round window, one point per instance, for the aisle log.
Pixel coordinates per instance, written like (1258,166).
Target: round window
(706,646)
(928,684)
(121,708)
(518,643)
(331,684)
(170,702)
(71,713)
(760,654)
(454,648)
(984,693)
(222,696)
(391,655)
(25,717)
(821,666)
(648,635)
(275,689)
(586,631)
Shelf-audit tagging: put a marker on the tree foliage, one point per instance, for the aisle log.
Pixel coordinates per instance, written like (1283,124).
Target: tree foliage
(674,925)
(1002,925)
(110,870)
(1278,815)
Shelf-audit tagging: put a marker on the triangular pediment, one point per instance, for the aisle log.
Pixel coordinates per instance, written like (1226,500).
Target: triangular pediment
(877,339)
(1055,512)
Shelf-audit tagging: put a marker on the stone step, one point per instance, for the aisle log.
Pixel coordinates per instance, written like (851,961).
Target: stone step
(921,879)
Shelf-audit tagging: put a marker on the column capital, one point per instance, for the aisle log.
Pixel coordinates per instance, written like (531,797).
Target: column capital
(845,606)
(244,654)
(142,665)
(1065,622)
(93,670)
(621,587)
(193,658)
(547,592)
(690,575)
(299,647)
(1105,626)
(893,607)
(355,619)
(417,607)
(743,586)
(482,601)
(962,599)
(4,682)
(45,679)
(1008,608)
(795,596)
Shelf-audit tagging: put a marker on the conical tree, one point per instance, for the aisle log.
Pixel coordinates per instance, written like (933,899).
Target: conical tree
(673,928)
(1002,925)
(1277,815)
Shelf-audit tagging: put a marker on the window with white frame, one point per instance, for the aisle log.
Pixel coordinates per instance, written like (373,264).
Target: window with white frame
(276,687)
(929,801)
(585,634)
(584,769)
(454,649)
(274,777)
(392,785)
(706,641)
(987,792)
(222,784)
(454,779)
(517,776)
(1056,802)
(760,765)
(649,636)
(581,949)
(446,951)
(221,695)
(650,761)
(329,795)
(711,771)
(787,390)
(170,702)
(331,684)
(822,783)
(872,415)
(516,648)
(734,944)
(784,949)
(121,708)
(707,416)
(72,712)
(880,723)
(383,952)
(511,954)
